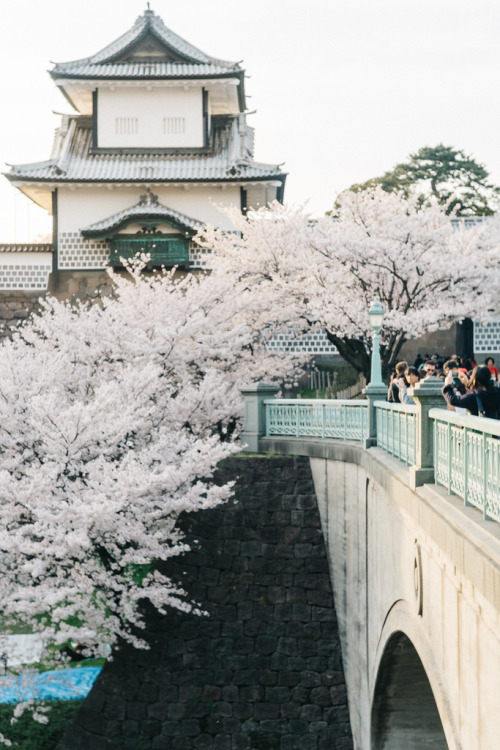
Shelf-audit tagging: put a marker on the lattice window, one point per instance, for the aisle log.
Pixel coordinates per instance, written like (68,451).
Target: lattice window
(487,337)
(174,125)
(25,277)
(74,252)
(126,125)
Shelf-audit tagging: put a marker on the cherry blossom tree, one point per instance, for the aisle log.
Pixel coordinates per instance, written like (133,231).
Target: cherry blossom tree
(325,273)
(113,419)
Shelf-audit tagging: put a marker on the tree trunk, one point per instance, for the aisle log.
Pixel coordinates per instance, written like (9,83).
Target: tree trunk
(354,352)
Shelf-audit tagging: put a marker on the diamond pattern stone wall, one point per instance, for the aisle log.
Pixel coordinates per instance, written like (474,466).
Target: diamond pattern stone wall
(487,337)
(28,277)
(75,252)
(199,256)
(315,343)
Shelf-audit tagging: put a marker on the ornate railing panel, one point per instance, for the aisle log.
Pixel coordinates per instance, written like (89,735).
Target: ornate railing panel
(467,459)
(346,420)
(397,430)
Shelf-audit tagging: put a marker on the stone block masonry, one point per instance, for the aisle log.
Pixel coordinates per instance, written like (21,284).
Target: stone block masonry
(263,670)
(17,306)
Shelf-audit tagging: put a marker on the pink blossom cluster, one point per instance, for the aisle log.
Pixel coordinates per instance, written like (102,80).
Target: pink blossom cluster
(113,419)
(325,273)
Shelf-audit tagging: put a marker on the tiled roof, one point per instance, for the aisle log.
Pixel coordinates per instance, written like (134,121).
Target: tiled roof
(145,69)
(16,247)
(227,160)
(97,65)
(148,208)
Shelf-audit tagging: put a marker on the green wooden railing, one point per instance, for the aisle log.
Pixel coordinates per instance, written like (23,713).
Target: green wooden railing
(163,251)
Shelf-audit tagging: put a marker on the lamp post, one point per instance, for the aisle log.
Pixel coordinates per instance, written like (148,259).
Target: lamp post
(376,389)
(376,315)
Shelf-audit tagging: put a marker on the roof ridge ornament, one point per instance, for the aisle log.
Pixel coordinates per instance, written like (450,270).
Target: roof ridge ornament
(149,199)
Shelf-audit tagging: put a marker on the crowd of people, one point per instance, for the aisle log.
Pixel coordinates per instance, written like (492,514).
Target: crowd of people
(468,388)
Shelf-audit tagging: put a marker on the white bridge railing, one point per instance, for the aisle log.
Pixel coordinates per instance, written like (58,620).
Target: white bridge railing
(344,420)
(467,459)
(397,430)
(461,453)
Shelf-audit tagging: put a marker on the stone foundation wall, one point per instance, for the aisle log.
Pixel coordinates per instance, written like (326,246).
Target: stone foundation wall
(17,306)
(80,285)
(263,671)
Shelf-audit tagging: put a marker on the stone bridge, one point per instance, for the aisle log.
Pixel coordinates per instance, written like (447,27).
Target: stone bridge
(409,498)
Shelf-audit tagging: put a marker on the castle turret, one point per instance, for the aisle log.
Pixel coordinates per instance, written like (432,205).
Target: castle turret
(158,143)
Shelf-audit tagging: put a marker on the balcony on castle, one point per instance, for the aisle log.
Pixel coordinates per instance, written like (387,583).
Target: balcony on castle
(162,251)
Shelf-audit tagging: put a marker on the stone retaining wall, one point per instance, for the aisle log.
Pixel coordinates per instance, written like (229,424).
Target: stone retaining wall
(17,306)
(263,671)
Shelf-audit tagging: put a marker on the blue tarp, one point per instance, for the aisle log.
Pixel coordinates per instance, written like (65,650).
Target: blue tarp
(60,684)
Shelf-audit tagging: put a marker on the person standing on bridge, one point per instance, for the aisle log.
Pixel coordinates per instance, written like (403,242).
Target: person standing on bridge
(429,368)
(393,392)
(411,378)
(482,397)
(490,362)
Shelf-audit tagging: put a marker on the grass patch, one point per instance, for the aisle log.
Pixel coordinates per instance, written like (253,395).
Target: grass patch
(42,666)
(27,734)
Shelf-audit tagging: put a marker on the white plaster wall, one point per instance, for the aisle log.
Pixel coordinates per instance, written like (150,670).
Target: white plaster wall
(82,206)
(260,195)
(139,118)
(24,260)
(374,525)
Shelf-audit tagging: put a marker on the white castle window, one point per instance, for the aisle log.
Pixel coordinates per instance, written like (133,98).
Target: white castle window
(174,125)
(126,125)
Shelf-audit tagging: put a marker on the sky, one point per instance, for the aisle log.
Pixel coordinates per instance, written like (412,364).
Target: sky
(343,89)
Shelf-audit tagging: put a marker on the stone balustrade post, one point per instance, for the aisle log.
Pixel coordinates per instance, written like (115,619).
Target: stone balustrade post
(427,395)
(375,392)
(254,426)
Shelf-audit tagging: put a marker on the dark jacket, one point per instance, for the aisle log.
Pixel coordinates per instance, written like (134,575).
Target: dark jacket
(393,393)
(490,400)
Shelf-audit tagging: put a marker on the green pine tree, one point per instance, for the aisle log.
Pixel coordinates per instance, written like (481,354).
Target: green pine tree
(445,173)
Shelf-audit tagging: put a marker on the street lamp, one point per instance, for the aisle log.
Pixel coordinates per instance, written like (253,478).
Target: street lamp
(376,315)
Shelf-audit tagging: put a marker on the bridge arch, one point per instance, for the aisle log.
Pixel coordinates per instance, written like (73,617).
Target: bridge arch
(404,710)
